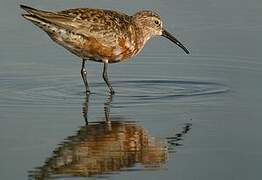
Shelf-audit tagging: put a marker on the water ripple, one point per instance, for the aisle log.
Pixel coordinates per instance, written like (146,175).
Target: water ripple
(128,91)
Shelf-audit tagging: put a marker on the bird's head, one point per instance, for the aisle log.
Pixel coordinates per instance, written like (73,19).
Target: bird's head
(151,25)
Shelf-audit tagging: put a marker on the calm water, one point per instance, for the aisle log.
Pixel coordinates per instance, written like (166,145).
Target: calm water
(174,116)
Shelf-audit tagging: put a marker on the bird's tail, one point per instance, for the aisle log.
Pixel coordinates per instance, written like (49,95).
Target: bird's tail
(45,19)
(33,15)
(27,8)
(39,18)
(34,11)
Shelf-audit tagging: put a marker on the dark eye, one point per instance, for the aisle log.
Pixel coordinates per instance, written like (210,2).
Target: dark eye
(157,22)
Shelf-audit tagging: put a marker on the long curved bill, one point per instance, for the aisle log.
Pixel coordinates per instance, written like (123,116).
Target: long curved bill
(174,40)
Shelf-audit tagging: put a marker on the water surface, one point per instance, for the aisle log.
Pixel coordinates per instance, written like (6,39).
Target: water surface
(174,116)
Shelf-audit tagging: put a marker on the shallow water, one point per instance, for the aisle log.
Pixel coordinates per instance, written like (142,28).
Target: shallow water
(174,116)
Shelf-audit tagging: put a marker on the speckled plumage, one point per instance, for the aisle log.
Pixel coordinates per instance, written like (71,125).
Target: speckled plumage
(99,35)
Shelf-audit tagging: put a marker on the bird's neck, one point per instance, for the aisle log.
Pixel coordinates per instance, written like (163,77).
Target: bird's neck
(142,36)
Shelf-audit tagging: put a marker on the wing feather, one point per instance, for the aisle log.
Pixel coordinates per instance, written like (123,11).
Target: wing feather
(105,26)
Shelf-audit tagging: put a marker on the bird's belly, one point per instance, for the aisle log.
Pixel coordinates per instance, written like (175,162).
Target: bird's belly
(90,48)
(112,54)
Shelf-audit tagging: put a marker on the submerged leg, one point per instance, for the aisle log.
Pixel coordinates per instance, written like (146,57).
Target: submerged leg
(105,77)
(83,74)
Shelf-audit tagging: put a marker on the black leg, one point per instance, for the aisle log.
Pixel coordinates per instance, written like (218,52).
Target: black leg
(83,74)
(105,77)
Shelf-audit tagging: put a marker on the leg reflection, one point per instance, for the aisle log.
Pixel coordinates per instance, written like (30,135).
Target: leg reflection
(85,108)
(107,106)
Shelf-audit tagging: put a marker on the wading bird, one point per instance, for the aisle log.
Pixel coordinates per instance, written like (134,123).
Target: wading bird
(100,35)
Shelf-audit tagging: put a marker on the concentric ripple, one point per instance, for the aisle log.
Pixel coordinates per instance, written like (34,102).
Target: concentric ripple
(164,91)
(70,92)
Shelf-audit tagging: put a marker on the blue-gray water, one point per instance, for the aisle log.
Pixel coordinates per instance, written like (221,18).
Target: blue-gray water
(174,116)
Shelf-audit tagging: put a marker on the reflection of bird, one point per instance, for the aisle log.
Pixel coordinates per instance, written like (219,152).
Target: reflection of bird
(100,35)
(106,146)
(103,147)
